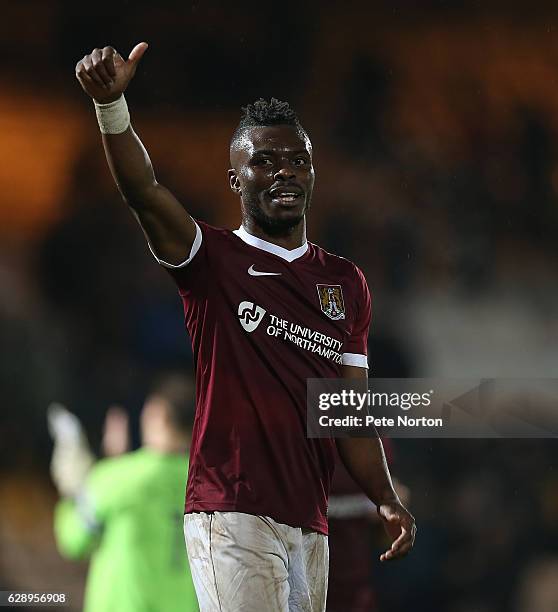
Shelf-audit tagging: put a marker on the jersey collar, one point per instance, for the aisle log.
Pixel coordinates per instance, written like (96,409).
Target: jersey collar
(264,245)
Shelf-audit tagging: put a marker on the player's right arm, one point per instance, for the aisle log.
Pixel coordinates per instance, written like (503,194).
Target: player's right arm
(79,521)
(75,538)
(104,75)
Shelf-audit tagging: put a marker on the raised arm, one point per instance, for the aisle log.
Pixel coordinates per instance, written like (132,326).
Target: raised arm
(104,75)
(365,461)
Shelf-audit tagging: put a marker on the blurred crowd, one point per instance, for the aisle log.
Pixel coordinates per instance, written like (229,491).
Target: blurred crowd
(434,134)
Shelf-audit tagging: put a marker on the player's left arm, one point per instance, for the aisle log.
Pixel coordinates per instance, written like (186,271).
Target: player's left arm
(365,461)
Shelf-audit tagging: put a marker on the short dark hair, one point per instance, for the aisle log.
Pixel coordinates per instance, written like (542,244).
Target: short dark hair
(178,391)
(264,113)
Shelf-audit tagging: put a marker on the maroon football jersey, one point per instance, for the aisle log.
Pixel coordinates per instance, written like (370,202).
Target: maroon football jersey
(262,319)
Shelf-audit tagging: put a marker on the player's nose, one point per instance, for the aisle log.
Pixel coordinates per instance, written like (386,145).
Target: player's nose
(284,173)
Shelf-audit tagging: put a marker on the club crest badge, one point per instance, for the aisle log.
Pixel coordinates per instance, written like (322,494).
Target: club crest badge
(331,301)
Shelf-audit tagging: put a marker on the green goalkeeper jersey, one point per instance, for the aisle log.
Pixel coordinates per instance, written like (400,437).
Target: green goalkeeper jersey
(129,519)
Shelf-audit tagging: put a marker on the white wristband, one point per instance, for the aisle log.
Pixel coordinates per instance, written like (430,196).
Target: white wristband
(113,117)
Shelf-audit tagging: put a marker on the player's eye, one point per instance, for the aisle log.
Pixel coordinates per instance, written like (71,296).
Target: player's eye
(300,161)
(263,161)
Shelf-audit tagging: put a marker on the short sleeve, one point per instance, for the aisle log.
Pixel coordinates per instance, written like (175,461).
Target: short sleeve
(191,275)
(193,251)
(355,351)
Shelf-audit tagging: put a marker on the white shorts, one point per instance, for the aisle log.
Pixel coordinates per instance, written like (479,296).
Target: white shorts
(243,562)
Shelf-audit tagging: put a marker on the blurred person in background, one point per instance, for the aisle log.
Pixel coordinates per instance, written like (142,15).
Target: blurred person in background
(256,507)
(125,511)
(355,530)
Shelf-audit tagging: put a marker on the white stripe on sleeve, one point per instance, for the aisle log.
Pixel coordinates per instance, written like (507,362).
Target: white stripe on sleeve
(354,359)
(195,248)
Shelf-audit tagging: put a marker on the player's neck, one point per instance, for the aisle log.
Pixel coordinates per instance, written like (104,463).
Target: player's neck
(291,239)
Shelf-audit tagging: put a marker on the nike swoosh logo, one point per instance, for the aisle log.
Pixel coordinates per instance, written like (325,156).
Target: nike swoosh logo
(253,272)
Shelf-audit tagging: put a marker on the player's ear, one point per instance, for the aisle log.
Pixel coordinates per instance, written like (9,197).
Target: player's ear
(234,182)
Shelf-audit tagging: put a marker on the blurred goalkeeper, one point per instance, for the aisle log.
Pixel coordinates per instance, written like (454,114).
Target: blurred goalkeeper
(126,511)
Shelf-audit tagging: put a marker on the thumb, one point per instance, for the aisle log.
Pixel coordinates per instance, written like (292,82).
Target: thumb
(137,52)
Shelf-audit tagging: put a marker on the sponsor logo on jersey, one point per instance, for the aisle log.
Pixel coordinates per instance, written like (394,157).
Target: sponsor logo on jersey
(311,340)
(253,272)
(250,315)
(331,301)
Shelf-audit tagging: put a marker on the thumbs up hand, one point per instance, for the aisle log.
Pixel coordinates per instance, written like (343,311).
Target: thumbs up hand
(104,74)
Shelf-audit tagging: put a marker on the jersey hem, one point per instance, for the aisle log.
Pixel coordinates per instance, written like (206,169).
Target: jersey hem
(201,506)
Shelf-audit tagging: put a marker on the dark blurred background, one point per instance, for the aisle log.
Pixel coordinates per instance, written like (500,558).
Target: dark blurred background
(434,127)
